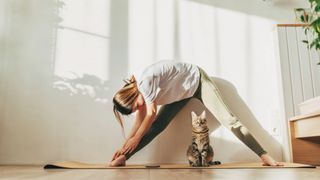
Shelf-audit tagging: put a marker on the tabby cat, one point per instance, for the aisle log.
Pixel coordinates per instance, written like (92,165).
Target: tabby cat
(200,153)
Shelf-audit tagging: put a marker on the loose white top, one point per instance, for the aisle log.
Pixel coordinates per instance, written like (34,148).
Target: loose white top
(168,81)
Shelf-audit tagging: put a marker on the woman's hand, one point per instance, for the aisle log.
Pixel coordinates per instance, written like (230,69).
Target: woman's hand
(130,145)
(116,154)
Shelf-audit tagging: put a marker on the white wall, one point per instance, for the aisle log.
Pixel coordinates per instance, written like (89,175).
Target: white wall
(61,62)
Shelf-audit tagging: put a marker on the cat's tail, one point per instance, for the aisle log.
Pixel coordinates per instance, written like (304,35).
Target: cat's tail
(214,162)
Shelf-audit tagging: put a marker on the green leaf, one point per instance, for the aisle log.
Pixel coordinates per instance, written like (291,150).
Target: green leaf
(316,25)
(315,22)
(311,1)
(317,8)
(305,41)
(312,44)
(299,9)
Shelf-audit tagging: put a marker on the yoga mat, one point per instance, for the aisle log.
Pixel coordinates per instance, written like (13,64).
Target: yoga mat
(250,165)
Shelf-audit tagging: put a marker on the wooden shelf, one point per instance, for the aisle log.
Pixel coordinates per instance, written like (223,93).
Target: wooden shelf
(305,138)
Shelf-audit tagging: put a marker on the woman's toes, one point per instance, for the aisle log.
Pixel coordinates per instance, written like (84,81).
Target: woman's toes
(280,164)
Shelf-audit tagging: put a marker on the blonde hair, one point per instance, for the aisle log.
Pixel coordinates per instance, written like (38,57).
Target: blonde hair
(124,99)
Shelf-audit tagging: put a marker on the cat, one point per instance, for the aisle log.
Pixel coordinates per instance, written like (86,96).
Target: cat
(200,153)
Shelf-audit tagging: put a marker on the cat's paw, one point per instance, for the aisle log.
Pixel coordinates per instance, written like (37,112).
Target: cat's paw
(205,165)
(193,165)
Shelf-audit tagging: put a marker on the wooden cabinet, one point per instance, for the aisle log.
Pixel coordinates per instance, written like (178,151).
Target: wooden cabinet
(305,138)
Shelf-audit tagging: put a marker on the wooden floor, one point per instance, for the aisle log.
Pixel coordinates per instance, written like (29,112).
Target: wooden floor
(36,172)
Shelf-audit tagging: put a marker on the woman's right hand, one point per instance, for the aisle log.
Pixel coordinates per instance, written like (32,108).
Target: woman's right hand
(116,154)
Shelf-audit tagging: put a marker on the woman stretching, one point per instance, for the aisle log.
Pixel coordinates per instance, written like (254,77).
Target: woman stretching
(172,84)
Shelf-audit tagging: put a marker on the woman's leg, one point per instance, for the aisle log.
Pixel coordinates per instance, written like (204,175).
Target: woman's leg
(212,99)
(163,118)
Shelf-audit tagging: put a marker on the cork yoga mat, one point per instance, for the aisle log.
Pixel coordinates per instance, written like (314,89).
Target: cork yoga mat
(250,165)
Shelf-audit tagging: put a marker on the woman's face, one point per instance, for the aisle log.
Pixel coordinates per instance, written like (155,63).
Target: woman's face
(139,102)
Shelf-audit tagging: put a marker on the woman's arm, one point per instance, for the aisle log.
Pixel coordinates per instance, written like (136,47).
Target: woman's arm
(140,115)
(147,121)
(133,142)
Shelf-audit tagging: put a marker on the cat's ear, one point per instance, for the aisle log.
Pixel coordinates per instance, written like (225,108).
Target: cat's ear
(132,78)
(203,115)
(194,115)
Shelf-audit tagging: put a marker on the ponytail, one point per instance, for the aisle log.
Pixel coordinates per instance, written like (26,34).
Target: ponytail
(124,99)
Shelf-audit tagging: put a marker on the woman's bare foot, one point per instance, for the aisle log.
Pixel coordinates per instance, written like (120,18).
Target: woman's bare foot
(119,161)
(269,161)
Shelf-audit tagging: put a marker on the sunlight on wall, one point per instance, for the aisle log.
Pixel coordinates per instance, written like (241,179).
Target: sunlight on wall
(83,39)
(151,33)
(141,37)
(165,29)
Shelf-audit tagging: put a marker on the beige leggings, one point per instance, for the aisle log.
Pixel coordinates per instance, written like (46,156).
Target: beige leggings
(210,96)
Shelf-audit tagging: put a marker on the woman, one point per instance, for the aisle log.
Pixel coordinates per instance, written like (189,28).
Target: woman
(172,84)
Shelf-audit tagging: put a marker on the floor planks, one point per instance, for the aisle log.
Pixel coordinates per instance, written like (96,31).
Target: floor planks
(36,172)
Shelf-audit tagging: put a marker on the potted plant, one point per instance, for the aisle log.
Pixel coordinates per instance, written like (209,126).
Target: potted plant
(312,18)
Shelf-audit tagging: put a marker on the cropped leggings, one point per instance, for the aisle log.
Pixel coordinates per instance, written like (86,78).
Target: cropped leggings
(211,98)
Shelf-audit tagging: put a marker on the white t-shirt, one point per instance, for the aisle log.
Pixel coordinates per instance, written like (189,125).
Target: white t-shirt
(168,81)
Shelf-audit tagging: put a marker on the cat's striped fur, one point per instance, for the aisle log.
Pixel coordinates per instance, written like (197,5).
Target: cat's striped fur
(200,153)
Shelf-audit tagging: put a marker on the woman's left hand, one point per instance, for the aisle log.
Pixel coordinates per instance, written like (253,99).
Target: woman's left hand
(130,145)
